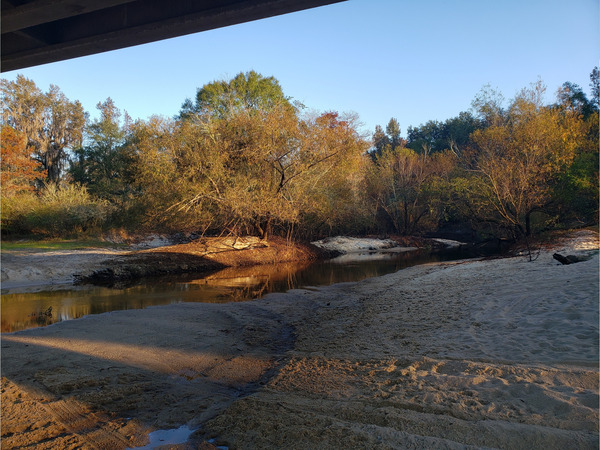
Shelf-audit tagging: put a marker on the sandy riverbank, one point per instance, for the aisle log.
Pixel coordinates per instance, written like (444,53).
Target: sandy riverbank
(494,353)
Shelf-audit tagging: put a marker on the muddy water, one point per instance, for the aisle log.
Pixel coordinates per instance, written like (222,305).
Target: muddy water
(28,310)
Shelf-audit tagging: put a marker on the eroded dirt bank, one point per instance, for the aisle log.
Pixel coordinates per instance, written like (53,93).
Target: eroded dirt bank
(495,353)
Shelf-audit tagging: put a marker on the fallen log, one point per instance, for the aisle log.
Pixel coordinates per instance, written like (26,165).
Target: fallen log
(570,259)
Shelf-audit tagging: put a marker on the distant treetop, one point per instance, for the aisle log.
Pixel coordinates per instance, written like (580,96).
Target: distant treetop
(248,91)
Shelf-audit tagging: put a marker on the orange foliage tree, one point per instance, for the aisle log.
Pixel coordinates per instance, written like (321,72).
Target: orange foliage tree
(520,161)
(18,170)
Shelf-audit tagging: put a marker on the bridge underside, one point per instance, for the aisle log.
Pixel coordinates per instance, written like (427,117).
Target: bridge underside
(37,32)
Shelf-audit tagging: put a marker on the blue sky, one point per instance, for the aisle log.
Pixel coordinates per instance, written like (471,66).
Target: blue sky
(413,60)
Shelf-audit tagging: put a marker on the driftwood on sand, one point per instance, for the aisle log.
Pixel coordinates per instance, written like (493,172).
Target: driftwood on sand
(569,259)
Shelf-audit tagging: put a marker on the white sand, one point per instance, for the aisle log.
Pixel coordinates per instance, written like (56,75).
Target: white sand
(449,243)
(344,244)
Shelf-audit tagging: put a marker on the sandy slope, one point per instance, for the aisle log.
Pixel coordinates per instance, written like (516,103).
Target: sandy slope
(497,353)
(26,270)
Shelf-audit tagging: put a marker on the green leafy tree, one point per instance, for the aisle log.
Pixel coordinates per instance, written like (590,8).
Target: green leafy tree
(393,131)
(571,96)
(248,91)
(457,132)
(102,164)
(595,86)
(426,138)
(435,136)
(380,141)
(388,140)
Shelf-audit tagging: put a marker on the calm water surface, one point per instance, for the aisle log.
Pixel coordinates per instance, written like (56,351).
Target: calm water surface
(28,310)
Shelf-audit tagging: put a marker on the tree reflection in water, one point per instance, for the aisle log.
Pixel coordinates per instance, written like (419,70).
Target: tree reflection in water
(34,309)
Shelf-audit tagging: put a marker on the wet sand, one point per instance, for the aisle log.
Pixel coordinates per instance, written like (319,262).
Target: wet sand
(492,353)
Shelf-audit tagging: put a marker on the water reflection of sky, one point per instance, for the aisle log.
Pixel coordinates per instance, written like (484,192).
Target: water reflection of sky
(28,310)
(364,256)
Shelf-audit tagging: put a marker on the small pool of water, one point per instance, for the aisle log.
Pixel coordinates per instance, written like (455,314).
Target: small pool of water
(45,307)
(159,438)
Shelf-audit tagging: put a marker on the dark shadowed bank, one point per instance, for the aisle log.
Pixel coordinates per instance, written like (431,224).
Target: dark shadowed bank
(205,255)
(201,256)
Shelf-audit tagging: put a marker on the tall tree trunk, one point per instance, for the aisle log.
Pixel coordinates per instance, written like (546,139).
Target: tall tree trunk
(53,160)
(266,230)
(406,218)
(528,223)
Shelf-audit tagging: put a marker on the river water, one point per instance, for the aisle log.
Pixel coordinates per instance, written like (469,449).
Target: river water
(27,310)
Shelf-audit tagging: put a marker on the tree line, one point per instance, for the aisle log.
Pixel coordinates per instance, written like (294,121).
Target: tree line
(242,158)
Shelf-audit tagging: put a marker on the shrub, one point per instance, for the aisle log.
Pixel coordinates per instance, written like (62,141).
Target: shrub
(56,212)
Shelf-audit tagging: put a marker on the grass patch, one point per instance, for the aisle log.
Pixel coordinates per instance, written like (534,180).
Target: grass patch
(58,244)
